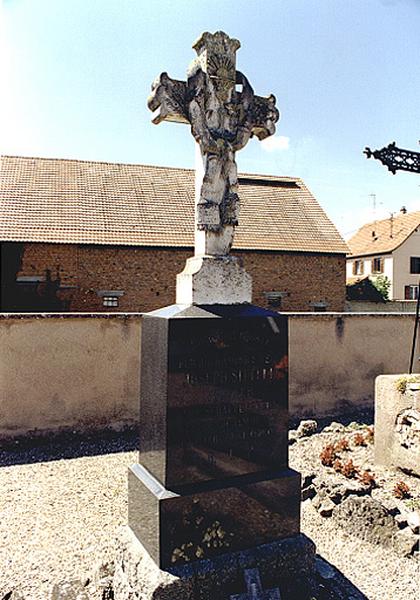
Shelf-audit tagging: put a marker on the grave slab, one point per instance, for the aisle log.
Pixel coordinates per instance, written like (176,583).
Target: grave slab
(287,565)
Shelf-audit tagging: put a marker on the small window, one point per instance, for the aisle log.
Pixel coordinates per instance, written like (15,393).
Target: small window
(274,298)
(411,292)
(320,306)
(358,267)
(110,301)
(378,265)
(415,265)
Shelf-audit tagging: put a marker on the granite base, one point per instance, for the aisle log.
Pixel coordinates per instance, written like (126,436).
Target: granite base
(209,519)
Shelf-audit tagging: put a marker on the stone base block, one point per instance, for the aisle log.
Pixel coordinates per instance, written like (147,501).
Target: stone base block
(286,564)
(397,422)
(209,519)
(213,280)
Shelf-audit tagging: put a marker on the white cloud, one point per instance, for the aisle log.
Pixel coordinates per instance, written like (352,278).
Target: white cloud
(275,142)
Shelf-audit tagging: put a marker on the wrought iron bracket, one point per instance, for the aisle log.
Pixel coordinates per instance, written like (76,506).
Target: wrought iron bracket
(396,159)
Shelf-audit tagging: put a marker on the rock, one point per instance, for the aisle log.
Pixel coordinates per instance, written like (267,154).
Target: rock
(413,521)
(103,579)
(367,519)
(307,428)
(334,427)
(308,492)
(401,520)
(292,437)
(323,504)
(354,425)
(405,542)
(337,488)
(70,590)
(307,479)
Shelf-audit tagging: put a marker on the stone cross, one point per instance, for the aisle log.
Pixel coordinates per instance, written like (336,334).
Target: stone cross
(224,113)
(254,588)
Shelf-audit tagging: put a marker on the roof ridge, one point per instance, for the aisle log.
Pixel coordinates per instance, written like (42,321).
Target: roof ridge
(96,162)
(395,216)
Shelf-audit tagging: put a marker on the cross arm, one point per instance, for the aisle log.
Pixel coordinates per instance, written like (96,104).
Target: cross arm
(168,100)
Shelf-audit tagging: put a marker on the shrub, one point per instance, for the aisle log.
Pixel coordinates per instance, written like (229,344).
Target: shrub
(328,455)
(338,465)
(349,470)
(359,439)
(367,478)
(342,445)
(401,490)
(370,435)
(382,284)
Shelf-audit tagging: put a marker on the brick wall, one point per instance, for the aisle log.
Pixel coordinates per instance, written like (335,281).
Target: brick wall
(147,275)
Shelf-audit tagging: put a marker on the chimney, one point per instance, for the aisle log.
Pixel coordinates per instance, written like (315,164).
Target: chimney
(403,210)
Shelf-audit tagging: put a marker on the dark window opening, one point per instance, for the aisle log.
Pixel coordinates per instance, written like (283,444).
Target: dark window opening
(415,265)
(358,267)
(411,292)
(378,265)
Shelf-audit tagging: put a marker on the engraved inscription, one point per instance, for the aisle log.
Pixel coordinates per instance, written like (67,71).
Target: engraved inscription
(227,402)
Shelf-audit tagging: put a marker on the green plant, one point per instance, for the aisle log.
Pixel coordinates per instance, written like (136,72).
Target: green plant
(401,490)
(382,284)
(413,504)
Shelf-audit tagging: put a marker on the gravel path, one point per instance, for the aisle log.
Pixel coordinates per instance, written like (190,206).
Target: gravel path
(59,518)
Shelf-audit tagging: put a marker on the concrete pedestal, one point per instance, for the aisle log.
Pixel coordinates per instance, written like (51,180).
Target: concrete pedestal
(212,280)
(397,422)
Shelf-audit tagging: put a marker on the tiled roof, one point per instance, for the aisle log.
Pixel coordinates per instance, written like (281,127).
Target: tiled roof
(382,237)
(85,202)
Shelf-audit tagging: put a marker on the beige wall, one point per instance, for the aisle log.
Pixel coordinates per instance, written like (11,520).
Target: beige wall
(334,358)
(67,371)
(81,371)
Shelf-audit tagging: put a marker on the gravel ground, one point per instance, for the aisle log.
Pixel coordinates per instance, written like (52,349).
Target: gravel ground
(59,517)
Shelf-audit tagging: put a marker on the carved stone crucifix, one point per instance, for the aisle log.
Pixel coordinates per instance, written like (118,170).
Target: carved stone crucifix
(224,113)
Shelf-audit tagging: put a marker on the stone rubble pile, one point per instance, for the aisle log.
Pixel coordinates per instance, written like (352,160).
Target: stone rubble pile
(365,509)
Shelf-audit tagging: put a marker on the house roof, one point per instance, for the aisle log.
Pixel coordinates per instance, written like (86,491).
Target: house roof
(86,202)
(382,237)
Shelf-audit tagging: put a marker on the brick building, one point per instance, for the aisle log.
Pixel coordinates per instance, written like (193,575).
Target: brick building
(94,236)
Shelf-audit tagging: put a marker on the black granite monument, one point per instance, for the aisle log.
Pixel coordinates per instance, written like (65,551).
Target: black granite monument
(213,470)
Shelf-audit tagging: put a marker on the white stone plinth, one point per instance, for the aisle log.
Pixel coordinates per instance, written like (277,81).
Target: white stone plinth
(213,280)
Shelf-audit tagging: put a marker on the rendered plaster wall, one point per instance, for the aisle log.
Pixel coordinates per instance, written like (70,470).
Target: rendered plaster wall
(81,371)
(67,372)
(334,358)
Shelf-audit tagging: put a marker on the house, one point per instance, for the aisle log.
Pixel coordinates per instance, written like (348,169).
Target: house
(93,236)
(389,248)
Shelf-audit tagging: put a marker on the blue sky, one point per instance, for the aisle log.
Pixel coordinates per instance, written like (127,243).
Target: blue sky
(345,73)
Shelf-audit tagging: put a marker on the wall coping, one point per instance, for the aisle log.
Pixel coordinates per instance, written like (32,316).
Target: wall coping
(136,315)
